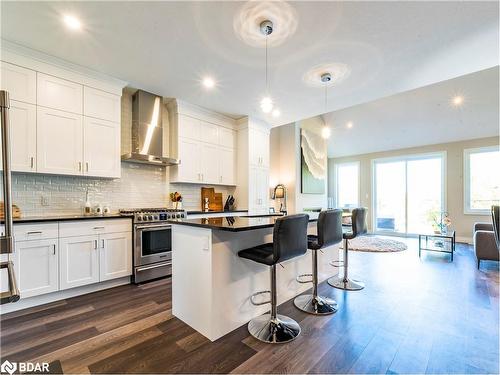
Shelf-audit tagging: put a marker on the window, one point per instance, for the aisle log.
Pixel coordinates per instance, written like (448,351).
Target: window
(347,185)
(408,192)
(481,179)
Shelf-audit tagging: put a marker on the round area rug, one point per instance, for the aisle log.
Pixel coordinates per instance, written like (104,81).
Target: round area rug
(375,244)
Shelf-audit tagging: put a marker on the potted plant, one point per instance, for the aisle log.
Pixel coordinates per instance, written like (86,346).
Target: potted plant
(176,199)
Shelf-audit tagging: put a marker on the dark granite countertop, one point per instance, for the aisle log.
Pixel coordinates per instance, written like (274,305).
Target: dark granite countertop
(214,212)
(39,219)
(234,223)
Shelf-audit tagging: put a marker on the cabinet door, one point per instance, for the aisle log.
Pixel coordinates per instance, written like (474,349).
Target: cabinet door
(79,261)
(210,166)
(115,255)
(227,137)
(19,82)
(264,148)
(209,133)
(23,136)
(189,127)
(253,198)
(100,104)
(258,147)
(59,142)
(263,187)
(189,155)
(59,94)
(227,163)
(36,267)
(101,148)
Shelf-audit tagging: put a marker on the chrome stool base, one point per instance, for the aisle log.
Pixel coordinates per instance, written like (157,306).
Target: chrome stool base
(274,331)
(349,284)
(316,305)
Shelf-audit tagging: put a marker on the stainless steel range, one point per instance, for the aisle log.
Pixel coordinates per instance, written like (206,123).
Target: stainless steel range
(152,241)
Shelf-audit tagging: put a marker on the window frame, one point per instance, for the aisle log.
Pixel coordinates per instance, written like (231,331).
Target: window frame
(466,173)
(336,186)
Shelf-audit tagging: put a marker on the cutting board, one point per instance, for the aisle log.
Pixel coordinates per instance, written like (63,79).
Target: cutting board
(16,212)
(214,199)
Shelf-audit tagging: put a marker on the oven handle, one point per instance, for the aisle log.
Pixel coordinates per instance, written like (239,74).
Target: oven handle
(154,227)
(139,269)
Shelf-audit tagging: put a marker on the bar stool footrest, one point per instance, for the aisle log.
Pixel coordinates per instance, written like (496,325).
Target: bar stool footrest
(300,278)
(337,263)
(256,303)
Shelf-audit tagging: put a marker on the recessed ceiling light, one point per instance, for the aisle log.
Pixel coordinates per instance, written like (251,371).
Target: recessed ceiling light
(326,132)
(458,100)
(349,125)
(276,113)
(208,82)
(72,22)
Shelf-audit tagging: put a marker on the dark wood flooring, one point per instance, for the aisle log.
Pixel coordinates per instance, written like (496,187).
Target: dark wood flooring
(414,316)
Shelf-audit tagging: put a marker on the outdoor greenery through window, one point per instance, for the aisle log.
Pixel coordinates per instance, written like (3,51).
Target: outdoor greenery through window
(482,179)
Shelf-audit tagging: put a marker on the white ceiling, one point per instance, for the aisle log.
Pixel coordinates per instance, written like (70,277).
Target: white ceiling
(419,117)
(166,47)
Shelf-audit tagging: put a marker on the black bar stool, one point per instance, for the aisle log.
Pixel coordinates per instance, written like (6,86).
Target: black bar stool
(329,233)
(358,228)
(289,241)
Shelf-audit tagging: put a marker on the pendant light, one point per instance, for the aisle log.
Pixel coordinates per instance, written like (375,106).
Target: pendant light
(325,78)
(266,104)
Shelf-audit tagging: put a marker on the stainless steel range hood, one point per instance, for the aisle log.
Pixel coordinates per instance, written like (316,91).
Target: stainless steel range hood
(147,131)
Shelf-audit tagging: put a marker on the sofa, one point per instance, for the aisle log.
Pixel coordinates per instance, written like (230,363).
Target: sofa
(486,238)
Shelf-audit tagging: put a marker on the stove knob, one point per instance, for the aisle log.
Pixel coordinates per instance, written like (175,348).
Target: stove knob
(139,217)
(156,217)
(182,215)
(178,216)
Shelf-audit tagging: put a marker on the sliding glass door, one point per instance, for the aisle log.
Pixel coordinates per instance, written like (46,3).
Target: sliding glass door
(408,193)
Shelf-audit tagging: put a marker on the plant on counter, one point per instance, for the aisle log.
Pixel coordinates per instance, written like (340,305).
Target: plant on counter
(176,199)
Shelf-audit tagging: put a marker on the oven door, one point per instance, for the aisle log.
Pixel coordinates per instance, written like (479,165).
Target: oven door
(153,243)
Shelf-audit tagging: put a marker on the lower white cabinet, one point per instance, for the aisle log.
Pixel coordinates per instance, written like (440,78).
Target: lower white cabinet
(36,267)
(115,255)
(79,261)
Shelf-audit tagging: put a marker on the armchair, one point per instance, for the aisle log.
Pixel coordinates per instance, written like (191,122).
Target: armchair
(486,241)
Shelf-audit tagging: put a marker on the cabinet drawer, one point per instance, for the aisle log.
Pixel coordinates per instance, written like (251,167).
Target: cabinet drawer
(19,82)
(59,94)
(90,227)
(101,104)
(28,232)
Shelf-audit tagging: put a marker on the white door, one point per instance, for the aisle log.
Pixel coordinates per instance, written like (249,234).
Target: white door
(78,261)
(36,267)
(101,104)
(189,155)
(59,142)
(23,136)
(59,94)
(115,258)
(210,164)
(226,162)
(101,148)
(19,82)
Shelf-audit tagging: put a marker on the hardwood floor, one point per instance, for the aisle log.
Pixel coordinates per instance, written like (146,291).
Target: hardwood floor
(414,316)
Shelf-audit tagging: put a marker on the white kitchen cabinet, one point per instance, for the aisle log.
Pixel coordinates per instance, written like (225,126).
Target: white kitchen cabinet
(188,128)
(59,142)
(58,93)
(227,166)
(101,148)
(190,161)
(19,82)
(209,133)
(36,266)
(227,137)
(115,256)
(259,150)
(23,136)
(258,190)
(210,166)
(79,261)
(101,104)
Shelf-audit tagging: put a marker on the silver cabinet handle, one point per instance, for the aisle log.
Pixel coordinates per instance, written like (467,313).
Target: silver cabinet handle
(32,162)
(202,177)
(79,166)
(35,232)
(96,228)
(54,249)
(95,244)
(102,242)
(87,166)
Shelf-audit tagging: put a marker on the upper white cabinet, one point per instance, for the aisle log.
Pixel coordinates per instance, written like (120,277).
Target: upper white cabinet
(259,150)
(101,144)
(60,142)
(206,150)
(58,93)
(23,136)
(19,82)
(101,105)
(60,124)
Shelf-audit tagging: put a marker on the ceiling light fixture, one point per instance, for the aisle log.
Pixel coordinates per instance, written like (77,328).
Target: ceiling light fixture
(349,125)
(326,78)
(458,100)
(276,113)
(266,104)
(208,82)
(72,22)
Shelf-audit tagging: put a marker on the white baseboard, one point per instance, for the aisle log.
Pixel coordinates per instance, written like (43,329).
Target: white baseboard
(467,240)
(25,303)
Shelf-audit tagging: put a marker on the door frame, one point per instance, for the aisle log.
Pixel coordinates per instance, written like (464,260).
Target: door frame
(405,159)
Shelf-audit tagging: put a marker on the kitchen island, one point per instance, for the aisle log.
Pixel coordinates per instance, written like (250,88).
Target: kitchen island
(211,285)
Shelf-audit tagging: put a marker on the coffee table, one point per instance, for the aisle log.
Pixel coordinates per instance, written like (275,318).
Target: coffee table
(443,242)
